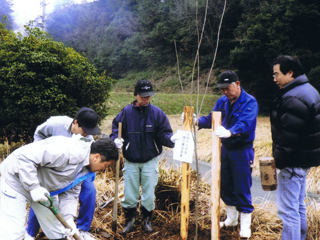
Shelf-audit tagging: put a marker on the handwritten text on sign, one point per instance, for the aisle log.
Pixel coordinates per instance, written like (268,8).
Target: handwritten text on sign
(184,146)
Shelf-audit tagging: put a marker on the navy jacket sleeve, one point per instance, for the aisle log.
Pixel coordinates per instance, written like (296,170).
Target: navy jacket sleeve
(164,131)
(115,125)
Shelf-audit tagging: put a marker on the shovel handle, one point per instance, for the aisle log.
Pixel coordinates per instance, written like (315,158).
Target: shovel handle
(55,211)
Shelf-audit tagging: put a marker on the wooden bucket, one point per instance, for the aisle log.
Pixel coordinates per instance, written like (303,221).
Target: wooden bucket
(268,174)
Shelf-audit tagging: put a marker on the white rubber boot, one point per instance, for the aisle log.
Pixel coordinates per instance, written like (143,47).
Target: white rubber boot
(245,225)
(232,217)
(28,237)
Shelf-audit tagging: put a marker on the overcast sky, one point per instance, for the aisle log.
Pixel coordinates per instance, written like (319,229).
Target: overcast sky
(26,10)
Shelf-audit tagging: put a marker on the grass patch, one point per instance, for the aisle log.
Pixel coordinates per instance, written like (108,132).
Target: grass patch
(169,103)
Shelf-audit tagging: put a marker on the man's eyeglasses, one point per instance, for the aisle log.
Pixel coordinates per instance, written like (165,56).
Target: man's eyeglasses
(275,75)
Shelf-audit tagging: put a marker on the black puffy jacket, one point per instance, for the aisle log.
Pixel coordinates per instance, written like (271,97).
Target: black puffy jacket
(295,125)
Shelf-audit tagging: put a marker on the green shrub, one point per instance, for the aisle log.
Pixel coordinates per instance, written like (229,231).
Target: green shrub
(40,78)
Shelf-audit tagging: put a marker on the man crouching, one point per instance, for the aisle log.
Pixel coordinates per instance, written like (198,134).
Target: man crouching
(56,165)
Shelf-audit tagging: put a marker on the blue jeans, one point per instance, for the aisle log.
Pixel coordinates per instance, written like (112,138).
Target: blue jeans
(290,203)
(144,174)
(236,179)
(87,199)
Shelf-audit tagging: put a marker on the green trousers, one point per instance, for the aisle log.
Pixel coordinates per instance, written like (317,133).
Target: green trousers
(144,175)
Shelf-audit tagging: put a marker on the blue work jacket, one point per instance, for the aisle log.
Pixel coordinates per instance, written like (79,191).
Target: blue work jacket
(144,130)
(241,121)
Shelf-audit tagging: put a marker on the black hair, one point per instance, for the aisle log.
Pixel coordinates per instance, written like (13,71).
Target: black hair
(79,125)
(106,148)
(289,63)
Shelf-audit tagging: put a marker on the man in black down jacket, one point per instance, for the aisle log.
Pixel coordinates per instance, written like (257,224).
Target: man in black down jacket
(295,127)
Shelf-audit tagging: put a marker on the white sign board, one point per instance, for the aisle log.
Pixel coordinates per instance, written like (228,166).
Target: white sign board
(184,146)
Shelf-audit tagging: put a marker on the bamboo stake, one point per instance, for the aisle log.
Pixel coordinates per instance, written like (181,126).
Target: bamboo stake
(215,178)
(116,192)
(185,182)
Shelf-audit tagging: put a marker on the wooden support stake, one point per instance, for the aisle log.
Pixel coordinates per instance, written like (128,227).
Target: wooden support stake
(215,178)
(185,182)
(116,191)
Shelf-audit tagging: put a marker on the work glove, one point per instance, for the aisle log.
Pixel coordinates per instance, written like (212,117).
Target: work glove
(73,230)
(221,132)
(195,119)
(119,142)
(175,137)
(38,194)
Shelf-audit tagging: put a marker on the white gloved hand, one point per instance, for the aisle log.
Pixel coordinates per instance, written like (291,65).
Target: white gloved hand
(195,119)
(175,137)
(119,142)
(73,230)
(38,194)
(221,132)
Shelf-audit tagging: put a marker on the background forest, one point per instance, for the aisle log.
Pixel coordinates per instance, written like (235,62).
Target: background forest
(123,36)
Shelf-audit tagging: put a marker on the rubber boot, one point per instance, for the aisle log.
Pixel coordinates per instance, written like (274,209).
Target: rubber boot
(146,219)
(130,215)
(232,217)
(245,225)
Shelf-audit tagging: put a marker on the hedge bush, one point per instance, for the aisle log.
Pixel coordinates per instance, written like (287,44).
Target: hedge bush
(40,78)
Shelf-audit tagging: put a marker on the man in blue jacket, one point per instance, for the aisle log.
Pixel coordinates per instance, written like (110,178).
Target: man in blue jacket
(85,123)
(295,128)
(145,129)
(239,112)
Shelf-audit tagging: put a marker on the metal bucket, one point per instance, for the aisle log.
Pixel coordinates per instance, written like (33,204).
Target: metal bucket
(268,174)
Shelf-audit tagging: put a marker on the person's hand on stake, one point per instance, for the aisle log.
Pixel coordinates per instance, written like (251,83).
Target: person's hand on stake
(119,142)
(221,132)
(195,119)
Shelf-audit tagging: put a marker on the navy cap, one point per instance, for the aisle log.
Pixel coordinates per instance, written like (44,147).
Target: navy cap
(143,88)
(226,78)
(88,120)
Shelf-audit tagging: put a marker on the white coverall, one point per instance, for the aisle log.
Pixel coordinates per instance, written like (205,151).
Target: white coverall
(53,163)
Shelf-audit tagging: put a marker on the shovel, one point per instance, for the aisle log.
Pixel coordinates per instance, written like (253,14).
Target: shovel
(116,194)
(49,205)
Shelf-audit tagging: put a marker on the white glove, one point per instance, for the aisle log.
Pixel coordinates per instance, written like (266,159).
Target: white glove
(73,230)
(175,137)
(221,132)
(119,142)
(195,119)
(38,194)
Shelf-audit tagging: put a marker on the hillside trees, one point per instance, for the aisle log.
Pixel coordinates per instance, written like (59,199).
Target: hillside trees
(40,78)
(119,36)
(270,28)
(135,35)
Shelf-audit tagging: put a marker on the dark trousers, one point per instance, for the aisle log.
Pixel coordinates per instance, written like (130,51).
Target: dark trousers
(236,179)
